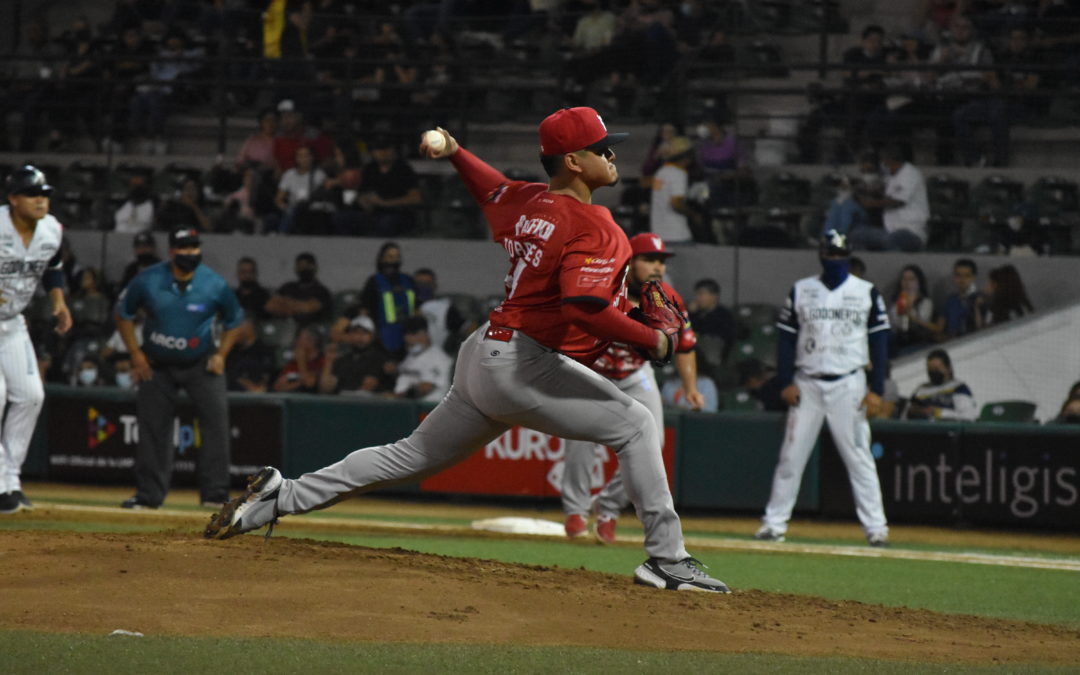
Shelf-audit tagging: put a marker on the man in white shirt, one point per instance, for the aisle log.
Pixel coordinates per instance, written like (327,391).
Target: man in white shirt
(905,208)
(424,375)
(669,209)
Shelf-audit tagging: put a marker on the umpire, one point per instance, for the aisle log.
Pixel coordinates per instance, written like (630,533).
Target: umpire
(181,298)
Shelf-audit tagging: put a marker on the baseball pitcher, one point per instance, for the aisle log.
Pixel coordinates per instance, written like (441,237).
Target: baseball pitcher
(529,365)
(831,327)
(29,252)
(633,375)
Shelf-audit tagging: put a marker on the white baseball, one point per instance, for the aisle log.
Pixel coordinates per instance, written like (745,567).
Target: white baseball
(435,140)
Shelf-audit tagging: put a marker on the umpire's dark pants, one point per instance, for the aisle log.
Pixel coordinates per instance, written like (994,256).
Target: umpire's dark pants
(155,407)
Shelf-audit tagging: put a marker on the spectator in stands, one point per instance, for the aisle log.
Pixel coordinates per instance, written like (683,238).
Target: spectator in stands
(911,313)
(1018,76)
(845,213)
(136,214)
(389,191)
(905,208)
(762,382)
(936,16)
(658,152)
(1005,297)
(130,64)
(356,363)
(718,149)
(296,187)
(943,397)
(184,209)
(120,365)
(863,82)
(1059,34)
(78,88)
(1070,409)
(424,375)
(33,75)
(115,345)
(290,136)
(907,107)
(238,213)
(88,374)
(145,253)
(670,214)
(90,305)
(301,374)
(446,325)
(709,317)
(258,149)
(672,394)
(305,300)
(249,366)
(252,295)
(958,87)
(965,305)
(389,297)
(148,108)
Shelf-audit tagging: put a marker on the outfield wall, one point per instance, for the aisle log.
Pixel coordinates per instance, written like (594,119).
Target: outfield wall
(1008,475)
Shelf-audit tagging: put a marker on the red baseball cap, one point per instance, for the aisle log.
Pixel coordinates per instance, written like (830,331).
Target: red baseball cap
(573,129)
(647,243)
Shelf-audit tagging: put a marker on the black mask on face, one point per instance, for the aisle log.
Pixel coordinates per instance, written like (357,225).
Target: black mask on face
(390,269)
(936,377)
(146,259)
(249,285)
(187,262)
(305,275)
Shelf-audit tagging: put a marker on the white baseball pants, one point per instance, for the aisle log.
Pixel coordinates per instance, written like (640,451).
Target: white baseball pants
(498,385)
(580,456)
(22,391)
(840,403)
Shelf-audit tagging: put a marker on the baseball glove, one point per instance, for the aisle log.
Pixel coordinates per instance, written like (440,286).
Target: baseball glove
(658,311)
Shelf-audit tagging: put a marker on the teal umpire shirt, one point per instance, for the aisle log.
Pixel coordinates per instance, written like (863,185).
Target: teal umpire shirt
(179,324)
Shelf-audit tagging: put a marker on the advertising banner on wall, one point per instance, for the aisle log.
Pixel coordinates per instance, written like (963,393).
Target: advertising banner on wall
(985,474)
(523,462)
(94,440)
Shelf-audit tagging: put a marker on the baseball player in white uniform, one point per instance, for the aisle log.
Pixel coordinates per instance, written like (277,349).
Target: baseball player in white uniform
(29,252)
(633,375)
(831,327)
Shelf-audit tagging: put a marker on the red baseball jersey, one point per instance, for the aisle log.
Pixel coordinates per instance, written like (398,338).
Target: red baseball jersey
(560,249)
(620,361)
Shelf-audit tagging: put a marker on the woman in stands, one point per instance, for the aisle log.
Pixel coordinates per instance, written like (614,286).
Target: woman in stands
(943,397)
(1006,297)
(911,312)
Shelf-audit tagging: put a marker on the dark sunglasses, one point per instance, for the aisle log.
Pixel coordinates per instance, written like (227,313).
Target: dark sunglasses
(36,192)
(602,150)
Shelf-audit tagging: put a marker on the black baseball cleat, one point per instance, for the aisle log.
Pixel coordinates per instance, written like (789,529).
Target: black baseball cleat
(251,510)
(137,504)
(24,502)
(684,575)
(9,503)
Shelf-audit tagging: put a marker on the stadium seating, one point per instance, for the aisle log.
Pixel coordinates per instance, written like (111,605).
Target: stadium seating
(1008,411)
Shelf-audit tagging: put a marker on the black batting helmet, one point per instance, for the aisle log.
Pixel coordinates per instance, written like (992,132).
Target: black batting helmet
(834,243)
(28,180)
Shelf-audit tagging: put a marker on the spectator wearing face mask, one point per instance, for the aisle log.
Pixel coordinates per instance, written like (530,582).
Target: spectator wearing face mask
(943,397)
(145,252)
(306,299)
(424,375)
(136,214)
(251,294)
(1070,409)
(389,297)
(444,320)
(88,373)
(122,377)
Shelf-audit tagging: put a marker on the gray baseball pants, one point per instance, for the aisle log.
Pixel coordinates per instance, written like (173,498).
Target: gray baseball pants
(579,456)
(155,408)
(498,385)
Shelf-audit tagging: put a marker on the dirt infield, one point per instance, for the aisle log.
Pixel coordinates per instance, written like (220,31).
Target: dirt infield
(175,583)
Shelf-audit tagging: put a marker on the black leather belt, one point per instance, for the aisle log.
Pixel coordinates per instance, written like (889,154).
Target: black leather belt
(833,378)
